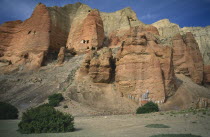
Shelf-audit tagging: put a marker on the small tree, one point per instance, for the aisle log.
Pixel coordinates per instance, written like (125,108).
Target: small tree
(45,119)
(8,111)
(55,99)
(147,108)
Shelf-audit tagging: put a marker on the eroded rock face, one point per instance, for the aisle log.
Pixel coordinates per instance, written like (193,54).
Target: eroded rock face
(207,73)
(144,65)
(120,20)
(88,35)
(61,19)
(6,31)
(98,65)
(187,57)
(201,34)
(61,56)
(29,41)
(29,44)
(116,38)
(166,28)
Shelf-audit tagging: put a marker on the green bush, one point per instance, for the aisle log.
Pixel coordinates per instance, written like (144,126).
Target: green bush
(55,99)
(8,111)
(45,119)
(147,108)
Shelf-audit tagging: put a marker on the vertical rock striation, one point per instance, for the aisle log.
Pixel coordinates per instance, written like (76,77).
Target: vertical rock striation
(88,35)
(6,31)
(201,34)
(99,65)
(144,65)
(29,41)
(61,19)
(29,44)
(187,57)
(207,73)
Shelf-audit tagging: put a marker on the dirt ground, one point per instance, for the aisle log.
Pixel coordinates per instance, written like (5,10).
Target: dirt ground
(125,125)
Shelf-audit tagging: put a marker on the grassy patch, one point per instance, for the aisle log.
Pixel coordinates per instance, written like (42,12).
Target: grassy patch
(157,126)
(193,111)
(175,135)
(161,113)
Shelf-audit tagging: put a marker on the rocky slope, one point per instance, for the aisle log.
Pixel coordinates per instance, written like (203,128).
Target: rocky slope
(106,61)
(27,89)
(188,95)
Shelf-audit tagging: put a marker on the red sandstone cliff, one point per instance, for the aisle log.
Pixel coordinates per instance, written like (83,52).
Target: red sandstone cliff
(6,31)
(144,65)
(98,65)
(128,62)
(28,42)
(187,57)
(87,35)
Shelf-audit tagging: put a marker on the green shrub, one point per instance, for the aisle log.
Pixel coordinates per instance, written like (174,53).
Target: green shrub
(65,106)
(55,99)
(45,119)
(147,108)
(8,111)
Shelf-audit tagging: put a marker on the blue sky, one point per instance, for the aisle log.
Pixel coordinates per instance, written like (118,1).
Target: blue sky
(182,12)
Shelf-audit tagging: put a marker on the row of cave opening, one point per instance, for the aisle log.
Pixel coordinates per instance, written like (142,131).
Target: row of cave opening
(86,42)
